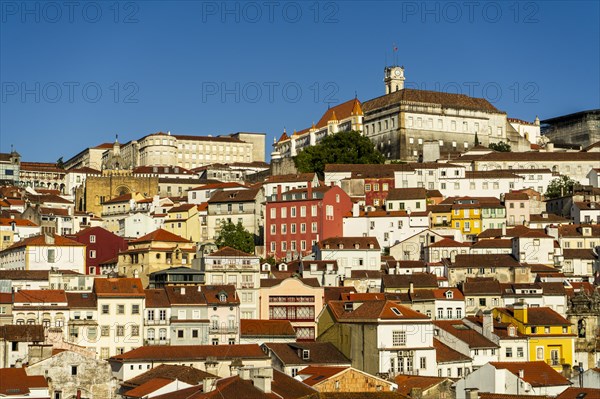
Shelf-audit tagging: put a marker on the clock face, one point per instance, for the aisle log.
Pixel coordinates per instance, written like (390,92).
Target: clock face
(398,72)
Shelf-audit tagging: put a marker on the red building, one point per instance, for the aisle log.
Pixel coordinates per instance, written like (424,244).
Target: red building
(299,218)
(102,245)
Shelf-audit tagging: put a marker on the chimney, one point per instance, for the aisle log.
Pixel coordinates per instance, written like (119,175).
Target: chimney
(550,147)
(278,196)
(411,288)
(520,311)
(472,393)
(261,378)
(48,238)
(182,290)
(209,384)
(503,230)
(488,324)
(355,209)
(521,374)
(211,365)
(309,190)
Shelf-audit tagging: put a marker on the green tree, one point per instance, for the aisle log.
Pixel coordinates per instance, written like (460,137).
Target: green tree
(560,187)
(501,146)
(60,163)
(235,236)
(343,147)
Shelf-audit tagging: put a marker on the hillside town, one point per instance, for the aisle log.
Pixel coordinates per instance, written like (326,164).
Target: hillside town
(465,265)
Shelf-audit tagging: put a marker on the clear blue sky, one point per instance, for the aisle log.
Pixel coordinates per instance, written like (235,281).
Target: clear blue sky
(74,76)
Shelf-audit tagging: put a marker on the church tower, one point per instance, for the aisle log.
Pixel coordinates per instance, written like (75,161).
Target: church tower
(393,79)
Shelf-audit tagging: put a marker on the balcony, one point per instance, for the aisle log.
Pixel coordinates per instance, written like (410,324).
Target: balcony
(161,342)
(555,362)
(247,285)
(155,322)
(223,330)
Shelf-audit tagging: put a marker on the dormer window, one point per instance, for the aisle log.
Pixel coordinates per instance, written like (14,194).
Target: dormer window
(449,294)
(341,246)
(305,354)
(512,331)
(348,306)
(222,297)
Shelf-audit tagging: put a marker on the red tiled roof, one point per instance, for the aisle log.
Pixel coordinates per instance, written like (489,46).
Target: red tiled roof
(118,287)
(160,235)
(15,381)
(419,280)
(374,310)
(40,296)
(538,316)
(461,331)
(579,393)
(446,100)
(407,382)
(406,194)
(231,253)
(447,243)
(22,333)
(266,328)
(40,241)
(349,243)
(319,353)
(445,354)
(189,352)
(17,222)
(318,374)
(148,387)
(536,373)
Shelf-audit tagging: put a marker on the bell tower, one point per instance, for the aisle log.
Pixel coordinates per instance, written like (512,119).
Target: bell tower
(393,79)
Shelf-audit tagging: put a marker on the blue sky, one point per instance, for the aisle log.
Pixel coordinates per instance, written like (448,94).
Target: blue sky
(73,76)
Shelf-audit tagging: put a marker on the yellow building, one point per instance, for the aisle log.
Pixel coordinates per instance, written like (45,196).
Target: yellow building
(466,214)
(184,220)
(549,335)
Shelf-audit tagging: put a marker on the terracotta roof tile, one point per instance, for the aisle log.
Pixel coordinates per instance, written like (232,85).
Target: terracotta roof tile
(481,286)
(445,354)
(118,287)
(231,252)
(41,241)
(419,280)
(350,243)
(148,387)
(160,235)
(22,333)
(266,328)
(536,373)
(407,382)
(16,382)
(82,300)
(373,311)
(316,374)
(188,352)
(448,243)
(243,195)
(396,194)
(446,100)
(187,374)
(579,393)
(488,260)
(539,316)
(319,353)
(461,331)
(40,296)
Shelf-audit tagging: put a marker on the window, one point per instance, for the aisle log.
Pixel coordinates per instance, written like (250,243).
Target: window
(92,254)
(120,309)
(440,313)
(105,331)
(482,302)
(423,363)
(105,309)
(135,331)
(509,352)
(51,255)
(520,351)
(179,333)
(215,341)
(73,370)
(314,227)
(135,309)
(120,331)
(313,210)
(398,338)
(303,211)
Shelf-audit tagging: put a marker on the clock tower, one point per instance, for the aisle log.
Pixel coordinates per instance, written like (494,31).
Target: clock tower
(393,79)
